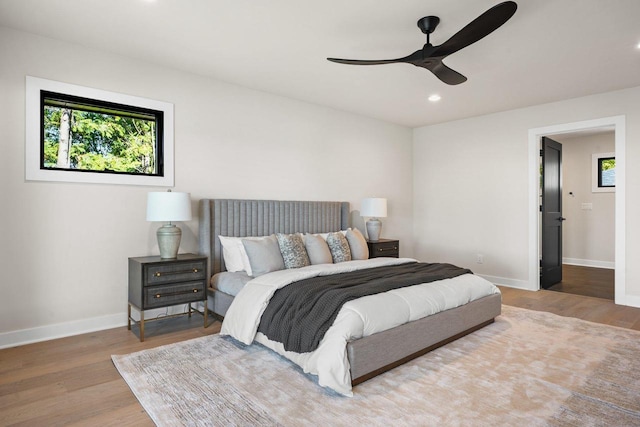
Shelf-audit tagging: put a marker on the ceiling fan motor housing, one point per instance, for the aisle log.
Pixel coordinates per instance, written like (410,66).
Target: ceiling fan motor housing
(428,24)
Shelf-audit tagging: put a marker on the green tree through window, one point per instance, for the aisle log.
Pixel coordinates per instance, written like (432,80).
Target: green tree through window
(607,172)
(86,135)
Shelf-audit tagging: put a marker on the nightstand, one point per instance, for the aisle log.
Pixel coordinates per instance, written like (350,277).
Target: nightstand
(384,247)
(158,283)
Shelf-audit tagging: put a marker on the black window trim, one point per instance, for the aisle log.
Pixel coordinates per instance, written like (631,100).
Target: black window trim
(86,104)
(600,160)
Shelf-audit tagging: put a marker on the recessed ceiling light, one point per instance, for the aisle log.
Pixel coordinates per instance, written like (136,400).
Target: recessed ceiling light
(435,97)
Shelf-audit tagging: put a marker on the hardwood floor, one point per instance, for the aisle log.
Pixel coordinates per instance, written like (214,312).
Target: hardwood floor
(587,281)
(597,310)
(72,381)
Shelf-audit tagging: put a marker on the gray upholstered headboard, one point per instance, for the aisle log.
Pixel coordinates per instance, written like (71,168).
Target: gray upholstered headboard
(241,218)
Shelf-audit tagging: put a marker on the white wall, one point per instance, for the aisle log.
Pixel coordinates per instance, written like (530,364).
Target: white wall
(588,235)
(471,186)
(65,246)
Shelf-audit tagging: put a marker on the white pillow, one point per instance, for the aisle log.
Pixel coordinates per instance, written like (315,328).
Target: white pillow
(234,254)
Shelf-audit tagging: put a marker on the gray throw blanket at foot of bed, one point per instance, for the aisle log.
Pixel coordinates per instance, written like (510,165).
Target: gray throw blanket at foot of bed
(299,314)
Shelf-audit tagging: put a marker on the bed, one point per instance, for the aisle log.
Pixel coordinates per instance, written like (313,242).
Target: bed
(366,356)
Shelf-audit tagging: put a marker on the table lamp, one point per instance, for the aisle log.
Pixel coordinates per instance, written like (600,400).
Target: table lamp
(166,207)
(374,208)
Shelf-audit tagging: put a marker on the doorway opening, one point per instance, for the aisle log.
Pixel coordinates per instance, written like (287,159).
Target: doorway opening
(615,124)
(584,248)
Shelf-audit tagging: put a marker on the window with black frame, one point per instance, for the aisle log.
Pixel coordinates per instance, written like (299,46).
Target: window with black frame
(606,172)
(89,135)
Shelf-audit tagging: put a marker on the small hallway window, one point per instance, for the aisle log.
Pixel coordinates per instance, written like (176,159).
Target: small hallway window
(603,172)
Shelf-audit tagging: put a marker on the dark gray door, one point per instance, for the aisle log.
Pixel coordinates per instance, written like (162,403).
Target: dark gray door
(551,263)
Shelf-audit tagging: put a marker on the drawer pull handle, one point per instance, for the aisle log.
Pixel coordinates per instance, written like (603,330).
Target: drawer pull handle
(193,270)
(170,294)
(395,248)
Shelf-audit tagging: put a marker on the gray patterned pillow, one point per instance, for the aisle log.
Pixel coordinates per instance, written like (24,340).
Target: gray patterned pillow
(339,247)
(293,250)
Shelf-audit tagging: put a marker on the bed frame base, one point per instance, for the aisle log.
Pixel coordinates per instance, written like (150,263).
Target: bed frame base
(373,355)
(218,302)
(377,353)
(422,352)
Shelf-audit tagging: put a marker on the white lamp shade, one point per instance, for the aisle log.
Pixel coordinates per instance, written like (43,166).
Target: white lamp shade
(168,206)
(374,207)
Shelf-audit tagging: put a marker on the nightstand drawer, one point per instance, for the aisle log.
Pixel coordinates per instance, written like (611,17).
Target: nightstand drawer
(175,272)
(180,293)
(384,248)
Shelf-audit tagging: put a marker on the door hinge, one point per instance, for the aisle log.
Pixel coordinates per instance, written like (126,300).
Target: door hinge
(541,153)
(540,208)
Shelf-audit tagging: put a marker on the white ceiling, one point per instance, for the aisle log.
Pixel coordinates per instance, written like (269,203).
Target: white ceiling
(550,50)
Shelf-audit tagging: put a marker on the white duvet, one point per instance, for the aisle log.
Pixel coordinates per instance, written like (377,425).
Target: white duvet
(357,318)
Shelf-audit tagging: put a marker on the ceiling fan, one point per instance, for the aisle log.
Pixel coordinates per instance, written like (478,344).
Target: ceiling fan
(430,57)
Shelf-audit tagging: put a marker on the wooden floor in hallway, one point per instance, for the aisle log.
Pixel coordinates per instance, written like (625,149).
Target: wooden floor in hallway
(587,281)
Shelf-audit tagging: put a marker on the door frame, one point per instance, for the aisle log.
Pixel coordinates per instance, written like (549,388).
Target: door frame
(617,123)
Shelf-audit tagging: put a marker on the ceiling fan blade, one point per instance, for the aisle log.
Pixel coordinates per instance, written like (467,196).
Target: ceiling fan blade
(409,58)
(363,62)
(446,74)
(480,27)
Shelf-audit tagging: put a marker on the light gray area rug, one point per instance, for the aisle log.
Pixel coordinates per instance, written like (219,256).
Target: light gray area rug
(528,368)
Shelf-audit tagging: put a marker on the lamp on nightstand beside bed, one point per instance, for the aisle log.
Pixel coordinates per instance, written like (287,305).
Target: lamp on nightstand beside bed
(166,207)
(374,208)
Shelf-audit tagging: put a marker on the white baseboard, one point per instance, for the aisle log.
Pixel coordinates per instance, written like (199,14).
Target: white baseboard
(630,300)
(510,283)
(77,327)
(61,330)
(589,263)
